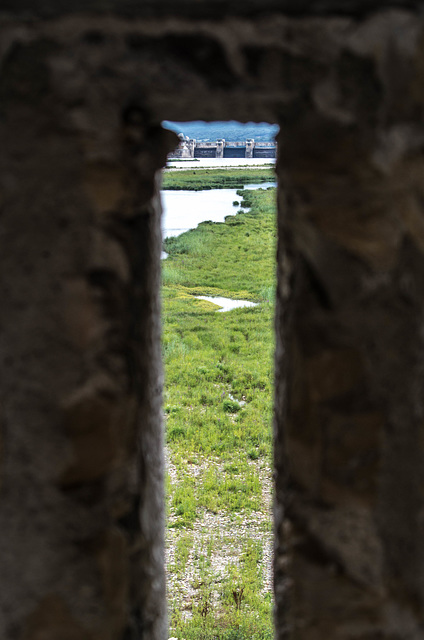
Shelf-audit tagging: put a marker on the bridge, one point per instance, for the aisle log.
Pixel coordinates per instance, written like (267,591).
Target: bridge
(189,148)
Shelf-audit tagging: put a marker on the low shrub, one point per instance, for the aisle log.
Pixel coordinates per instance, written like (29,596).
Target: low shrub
(231,406)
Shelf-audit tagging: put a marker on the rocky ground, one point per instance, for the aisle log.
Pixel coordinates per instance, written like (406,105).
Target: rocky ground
(215,542)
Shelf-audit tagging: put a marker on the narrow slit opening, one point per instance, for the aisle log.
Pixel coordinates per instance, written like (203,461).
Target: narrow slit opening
(218,293)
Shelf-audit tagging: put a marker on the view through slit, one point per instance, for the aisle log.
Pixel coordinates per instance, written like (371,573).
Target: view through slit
(219,228)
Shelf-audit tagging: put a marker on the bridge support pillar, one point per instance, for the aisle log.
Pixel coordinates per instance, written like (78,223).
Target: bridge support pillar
(250,145)
(220,146)
(191,147)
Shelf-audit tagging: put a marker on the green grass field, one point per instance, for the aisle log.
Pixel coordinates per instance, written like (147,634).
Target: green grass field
(218,406)
(199,179)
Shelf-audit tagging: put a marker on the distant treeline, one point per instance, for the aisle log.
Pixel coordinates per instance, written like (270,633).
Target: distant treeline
(199,179)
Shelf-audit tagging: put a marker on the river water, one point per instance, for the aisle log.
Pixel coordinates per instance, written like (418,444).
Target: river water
(218,163)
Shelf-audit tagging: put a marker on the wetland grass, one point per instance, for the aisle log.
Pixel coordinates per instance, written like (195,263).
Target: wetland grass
(218,406)
(225,178)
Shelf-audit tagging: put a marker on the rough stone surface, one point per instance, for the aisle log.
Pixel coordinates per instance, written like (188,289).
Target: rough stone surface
(81,511)
(209,9)
(349,561)
(81,462)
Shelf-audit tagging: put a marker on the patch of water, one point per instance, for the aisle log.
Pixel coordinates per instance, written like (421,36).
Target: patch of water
(184,210)
(262,185)
(227,304)
(221,163)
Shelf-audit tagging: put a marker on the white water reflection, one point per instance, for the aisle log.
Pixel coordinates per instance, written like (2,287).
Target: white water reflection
(184,210)
(227,304)
(219,163)
(262,185)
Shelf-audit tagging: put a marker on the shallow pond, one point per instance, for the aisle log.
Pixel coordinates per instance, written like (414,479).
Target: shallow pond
(184,210)
(227,304)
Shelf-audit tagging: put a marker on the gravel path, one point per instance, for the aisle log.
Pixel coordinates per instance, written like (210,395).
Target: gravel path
(216,541)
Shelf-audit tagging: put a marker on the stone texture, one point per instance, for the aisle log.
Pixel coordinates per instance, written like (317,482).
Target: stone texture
(350,326)
(81,505)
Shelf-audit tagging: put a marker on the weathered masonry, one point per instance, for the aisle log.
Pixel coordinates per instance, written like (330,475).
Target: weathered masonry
(223,149)
(83,88)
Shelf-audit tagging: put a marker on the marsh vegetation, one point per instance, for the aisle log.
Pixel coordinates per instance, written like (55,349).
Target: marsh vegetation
(224,178)
(218,422)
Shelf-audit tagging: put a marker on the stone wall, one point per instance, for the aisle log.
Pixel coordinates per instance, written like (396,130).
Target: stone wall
(81,501)
(350,356)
